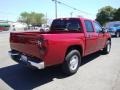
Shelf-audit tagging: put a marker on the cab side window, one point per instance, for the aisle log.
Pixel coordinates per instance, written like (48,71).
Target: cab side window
(98,28)
(89,26)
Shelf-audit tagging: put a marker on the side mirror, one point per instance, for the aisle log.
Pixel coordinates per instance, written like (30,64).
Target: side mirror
(104,30)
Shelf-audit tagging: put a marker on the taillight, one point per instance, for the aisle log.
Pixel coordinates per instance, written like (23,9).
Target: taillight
(43,45)
(40,43)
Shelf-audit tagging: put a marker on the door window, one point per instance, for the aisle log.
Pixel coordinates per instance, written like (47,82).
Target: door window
(98,28)
(89,26)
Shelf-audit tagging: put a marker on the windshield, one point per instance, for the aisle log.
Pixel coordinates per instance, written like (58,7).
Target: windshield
(116,25)
(64,24)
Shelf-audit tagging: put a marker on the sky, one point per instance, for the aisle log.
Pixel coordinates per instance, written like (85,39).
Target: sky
(11,9)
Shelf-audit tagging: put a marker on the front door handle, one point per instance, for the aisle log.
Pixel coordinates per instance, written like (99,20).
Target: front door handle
(90,35)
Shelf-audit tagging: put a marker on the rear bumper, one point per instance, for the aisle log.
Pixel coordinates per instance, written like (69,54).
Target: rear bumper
(17,57)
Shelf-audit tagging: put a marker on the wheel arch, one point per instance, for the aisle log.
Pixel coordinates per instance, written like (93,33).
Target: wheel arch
(109,39)
(77,47)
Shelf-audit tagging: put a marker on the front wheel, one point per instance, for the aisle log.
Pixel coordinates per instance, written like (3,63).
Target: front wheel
(107,48)
(117,34)
(72,62)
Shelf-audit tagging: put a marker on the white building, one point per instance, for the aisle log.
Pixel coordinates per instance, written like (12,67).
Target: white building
(17,26)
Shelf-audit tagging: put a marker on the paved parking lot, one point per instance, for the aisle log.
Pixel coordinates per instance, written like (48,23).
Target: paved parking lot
(98,72)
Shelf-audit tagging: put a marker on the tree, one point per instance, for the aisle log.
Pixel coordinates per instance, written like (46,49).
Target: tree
(105,14)
(32,18)
(117,15)
(25,18)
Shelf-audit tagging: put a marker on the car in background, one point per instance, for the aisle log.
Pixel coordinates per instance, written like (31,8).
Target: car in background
(114,30)
(4,27)
(1,29)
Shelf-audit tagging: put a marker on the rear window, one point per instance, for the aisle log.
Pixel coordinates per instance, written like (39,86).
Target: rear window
(62,24)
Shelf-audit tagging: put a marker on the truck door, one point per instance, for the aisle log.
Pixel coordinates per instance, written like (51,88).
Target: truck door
(101,40)
(91,38)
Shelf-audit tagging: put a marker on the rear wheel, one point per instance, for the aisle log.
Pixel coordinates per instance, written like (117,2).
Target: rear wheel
(72,62)
(107,48)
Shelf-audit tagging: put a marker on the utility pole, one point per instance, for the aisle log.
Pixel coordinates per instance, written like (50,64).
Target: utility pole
(71,14)
(46,18)
(55,8)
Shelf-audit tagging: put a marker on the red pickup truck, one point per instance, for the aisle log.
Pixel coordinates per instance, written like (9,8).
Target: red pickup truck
(68,40)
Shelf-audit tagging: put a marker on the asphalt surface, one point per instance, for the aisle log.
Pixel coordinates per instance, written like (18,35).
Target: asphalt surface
(97,72)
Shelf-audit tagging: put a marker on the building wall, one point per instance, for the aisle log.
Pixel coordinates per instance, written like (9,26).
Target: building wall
(17,26)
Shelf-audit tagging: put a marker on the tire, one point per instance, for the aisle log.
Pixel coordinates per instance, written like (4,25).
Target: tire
(117,34)
(15,58)
(72,62)
(107,48)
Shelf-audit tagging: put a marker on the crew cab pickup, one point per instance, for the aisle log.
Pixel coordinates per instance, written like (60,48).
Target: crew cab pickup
(68,40)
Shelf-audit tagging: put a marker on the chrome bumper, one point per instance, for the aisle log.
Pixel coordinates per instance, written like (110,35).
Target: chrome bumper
(40,65)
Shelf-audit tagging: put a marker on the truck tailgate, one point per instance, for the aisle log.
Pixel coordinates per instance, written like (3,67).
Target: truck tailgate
(25,43)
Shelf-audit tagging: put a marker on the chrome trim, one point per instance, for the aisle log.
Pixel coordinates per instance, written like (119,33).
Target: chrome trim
(13,54)
(37,65)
